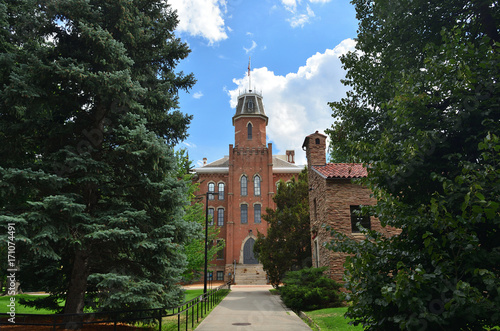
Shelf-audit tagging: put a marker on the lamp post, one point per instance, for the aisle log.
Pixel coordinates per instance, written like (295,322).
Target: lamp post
(206,241)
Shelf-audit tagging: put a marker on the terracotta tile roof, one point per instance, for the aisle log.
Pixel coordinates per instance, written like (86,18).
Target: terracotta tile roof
(341,170)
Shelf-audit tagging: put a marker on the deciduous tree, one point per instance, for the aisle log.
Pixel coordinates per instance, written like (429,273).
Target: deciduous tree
(423,116)
(287,245)
(195,213)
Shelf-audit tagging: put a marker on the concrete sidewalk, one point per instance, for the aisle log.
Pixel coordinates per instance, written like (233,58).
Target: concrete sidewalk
(249,307)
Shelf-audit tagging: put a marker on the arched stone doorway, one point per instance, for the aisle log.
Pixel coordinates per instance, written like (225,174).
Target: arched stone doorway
(248,254)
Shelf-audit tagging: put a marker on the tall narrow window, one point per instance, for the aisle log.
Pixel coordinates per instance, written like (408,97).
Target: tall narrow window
(211,188)
(256,185)
(357,217)
(316,253)
(220,217)
(220,275)
(220,252)
(221,191)
(244,185)
(244,214)
(256,213)
(249,128)
(211,216)
(315,210)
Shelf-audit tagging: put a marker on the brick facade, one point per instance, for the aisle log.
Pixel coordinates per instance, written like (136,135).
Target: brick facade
(250,156)
(332,193)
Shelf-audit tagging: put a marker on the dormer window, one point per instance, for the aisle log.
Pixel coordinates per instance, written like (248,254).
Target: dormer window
(250,104)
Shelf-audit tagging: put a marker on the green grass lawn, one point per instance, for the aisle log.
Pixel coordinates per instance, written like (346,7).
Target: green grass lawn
(20,309)
(169,323)
(191,294)
(332,319)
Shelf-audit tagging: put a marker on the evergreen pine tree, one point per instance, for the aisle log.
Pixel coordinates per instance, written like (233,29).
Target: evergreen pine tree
(88,121)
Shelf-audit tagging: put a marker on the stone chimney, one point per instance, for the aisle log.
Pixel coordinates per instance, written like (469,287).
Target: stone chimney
(204,161)
(315,147)
(290,156)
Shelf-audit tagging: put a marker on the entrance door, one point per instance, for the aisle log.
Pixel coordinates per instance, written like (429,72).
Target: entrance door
(248,255)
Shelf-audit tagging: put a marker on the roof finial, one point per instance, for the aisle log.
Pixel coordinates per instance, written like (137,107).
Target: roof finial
(249,76)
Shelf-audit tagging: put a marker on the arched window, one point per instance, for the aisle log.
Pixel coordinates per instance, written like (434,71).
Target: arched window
(221,191)
(211,216)
(211,188)
(249,129)
(220,216)
(256,185)
(317,141)
(256,213)
(244,185)
(244,213)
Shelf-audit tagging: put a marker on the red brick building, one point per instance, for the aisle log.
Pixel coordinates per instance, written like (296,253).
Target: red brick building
(246,182)
(333,199)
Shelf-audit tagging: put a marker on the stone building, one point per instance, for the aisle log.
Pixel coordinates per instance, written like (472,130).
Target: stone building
(246,182)
(333,200)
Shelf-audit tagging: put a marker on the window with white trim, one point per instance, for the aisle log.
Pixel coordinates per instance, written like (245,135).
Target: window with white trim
(221,191)
(211,188)
(220,216)
(256,185)
(244,185)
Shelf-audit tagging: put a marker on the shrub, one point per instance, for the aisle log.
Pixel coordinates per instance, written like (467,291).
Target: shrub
(310,289)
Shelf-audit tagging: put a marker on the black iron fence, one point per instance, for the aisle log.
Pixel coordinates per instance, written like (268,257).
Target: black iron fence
(186,315)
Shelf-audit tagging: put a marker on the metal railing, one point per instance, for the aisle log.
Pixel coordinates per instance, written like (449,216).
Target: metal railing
(186,314)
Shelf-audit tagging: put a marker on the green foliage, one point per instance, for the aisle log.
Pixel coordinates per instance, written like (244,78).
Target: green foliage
(310,289)
(423,113)
(88,121)
(195,214)
(287,245)
(195,249)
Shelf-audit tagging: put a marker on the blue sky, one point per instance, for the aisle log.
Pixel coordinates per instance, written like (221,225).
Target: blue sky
(294,46)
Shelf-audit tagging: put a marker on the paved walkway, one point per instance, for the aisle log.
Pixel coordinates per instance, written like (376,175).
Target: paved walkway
(249,307)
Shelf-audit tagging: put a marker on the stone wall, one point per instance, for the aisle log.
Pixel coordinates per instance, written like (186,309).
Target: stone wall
(330,201)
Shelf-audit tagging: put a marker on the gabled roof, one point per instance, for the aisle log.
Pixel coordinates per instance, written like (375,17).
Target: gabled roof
(341,170)
(224,162)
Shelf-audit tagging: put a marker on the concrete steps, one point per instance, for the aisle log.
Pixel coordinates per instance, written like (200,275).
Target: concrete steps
(250,274)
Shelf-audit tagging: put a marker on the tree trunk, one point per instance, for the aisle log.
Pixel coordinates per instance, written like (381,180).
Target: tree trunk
(75,297)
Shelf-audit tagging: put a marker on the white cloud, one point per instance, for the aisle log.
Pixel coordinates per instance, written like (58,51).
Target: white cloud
(319,1)
(203,18)
(296,104)
(248,50)
(290,5)
(299,20)
(198,95)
